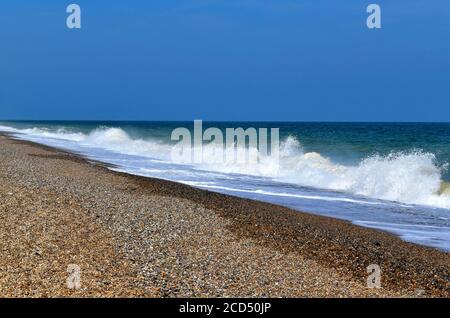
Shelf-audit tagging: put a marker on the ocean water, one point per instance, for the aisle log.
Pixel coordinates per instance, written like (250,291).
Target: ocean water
(388,176)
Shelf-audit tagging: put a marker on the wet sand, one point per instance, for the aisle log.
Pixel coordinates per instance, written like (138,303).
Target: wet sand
(140,237)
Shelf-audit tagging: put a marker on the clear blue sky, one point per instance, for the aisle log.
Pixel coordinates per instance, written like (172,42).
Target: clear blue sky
(225,60)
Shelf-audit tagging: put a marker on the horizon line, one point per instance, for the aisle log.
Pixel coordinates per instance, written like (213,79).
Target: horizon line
(226,120)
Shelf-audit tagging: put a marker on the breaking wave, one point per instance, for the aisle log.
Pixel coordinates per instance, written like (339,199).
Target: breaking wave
(412,177)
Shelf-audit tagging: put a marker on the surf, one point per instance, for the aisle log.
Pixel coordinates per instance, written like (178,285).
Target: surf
(403,188)
(411,177)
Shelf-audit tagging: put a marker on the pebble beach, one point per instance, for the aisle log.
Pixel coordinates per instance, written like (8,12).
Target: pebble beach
(140,237)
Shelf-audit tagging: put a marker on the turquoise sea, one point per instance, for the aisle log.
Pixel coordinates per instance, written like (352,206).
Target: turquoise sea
(389,176)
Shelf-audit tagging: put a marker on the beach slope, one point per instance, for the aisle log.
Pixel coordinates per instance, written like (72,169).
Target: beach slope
(139,237)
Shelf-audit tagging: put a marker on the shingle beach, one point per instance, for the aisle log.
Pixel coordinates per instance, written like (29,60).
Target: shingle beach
(140,237)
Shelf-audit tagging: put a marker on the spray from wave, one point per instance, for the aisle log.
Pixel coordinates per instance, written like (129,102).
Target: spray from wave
(408,177)
(412,177)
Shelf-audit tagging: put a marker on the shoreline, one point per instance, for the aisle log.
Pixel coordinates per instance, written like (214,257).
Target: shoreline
(165,233)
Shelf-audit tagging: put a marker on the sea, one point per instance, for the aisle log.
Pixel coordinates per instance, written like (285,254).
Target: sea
(388,176)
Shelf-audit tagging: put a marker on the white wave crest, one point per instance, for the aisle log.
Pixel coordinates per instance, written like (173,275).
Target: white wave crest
(410,177)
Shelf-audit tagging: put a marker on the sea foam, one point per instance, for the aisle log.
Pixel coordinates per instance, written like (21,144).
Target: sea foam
(411,177)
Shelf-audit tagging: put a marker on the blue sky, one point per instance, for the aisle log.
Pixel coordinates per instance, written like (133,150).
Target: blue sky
(305,60)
